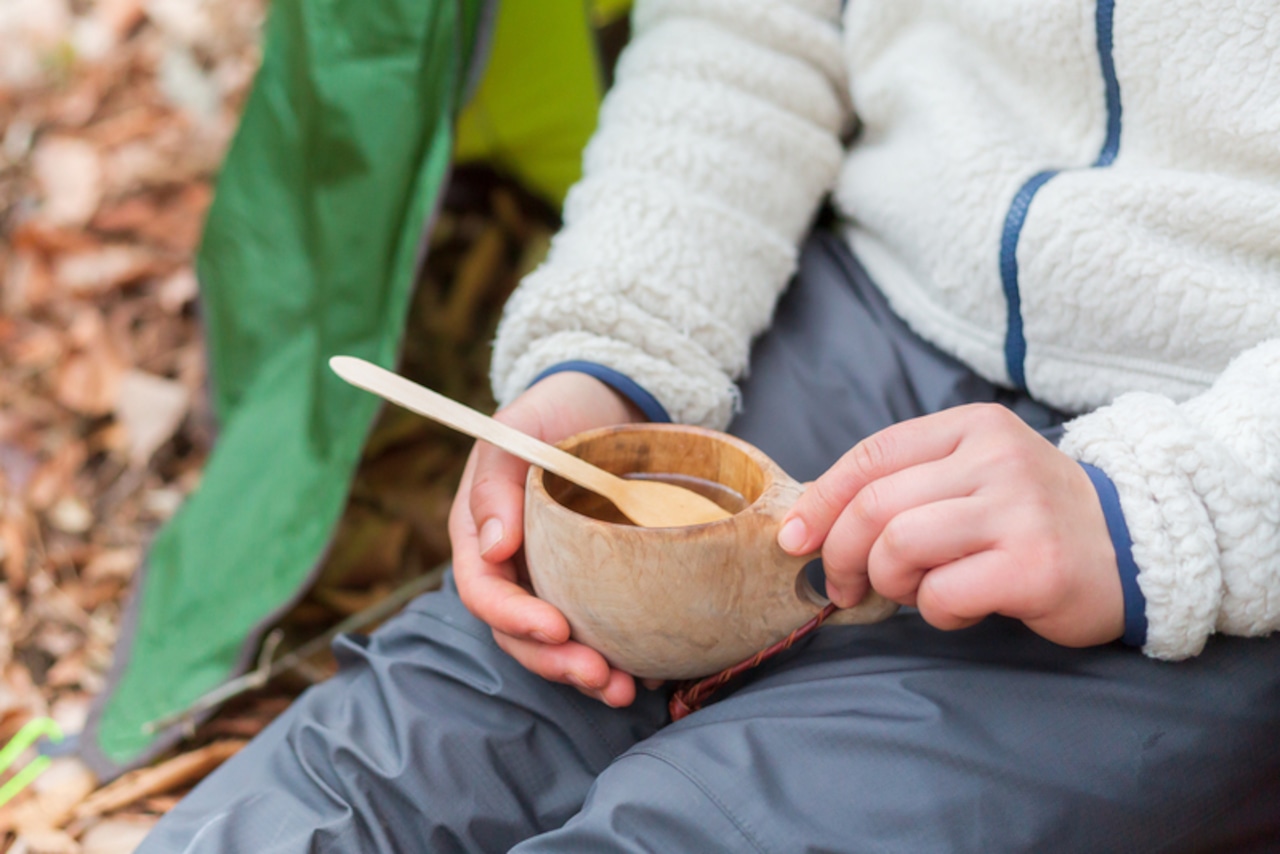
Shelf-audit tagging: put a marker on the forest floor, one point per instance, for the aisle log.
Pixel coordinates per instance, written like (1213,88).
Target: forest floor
(114,118)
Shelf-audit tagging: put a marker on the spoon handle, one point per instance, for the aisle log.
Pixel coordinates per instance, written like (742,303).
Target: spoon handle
(395,388)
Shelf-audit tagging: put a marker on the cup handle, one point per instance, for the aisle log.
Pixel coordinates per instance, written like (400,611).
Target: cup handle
(872,609)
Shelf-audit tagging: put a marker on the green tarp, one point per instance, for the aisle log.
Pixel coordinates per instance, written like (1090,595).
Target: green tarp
(311,250)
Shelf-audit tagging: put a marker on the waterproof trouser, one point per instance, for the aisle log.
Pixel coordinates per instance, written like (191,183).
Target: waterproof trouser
(891,737)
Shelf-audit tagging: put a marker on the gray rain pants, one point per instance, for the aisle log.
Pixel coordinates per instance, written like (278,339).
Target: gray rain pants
(894,737)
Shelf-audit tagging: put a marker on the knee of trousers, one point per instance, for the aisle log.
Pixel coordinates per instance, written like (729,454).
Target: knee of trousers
(428,738)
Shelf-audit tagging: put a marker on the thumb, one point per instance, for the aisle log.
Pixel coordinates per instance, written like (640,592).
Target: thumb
(497,502)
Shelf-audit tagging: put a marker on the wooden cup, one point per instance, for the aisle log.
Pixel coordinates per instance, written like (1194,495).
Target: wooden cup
(673,603)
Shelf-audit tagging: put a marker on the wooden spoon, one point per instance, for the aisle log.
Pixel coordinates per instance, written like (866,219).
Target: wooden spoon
(648,503)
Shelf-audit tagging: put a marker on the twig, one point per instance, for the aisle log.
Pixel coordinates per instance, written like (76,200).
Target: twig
(267,670)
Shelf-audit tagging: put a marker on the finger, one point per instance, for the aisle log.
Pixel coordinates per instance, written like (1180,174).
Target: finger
(497,501)
(489,589)
(961,593)
(572,664)
(910,443)
(846,549)
(925,537)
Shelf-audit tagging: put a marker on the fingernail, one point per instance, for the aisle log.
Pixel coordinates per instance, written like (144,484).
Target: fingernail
(793,535)
(541,636)
(490,535)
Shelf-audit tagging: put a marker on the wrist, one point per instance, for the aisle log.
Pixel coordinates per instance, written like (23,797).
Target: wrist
(1135,618)
(639,403)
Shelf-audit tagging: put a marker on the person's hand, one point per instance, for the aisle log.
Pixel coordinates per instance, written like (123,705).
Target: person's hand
(486,527)
(965,513)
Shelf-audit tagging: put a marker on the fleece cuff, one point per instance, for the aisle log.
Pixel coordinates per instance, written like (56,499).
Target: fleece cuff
(1135,604)
(619,382)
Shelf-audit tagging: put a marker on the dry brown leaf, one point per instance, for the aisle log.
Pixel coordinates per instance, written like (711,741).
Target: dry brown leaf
(135,785)
(111,565)
(70,515)
(14,529)
(71,710)
(69,174)
(37,347)
(55,476)
(54,795)
(161,504)
(89,383)
(44,840)
(368,549)
(178,290)
(32,33)
(127,125)
(118,16)
(66,672)
(38,235)
(27,282)
(151,408)
(120,835)
(160,804)
(97,271)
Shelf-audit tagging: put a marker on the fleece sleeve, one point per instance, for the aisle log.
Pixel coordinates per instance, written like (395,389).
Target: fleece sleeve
(1199,483)
(715,146)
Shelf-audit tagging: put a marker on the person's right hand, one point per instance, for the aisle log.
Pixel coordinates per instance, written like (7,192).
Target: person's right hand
(486,527)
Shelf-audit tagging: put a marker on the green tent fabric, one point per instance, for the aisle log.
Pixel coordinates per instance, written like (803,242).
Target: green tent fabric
(310,250)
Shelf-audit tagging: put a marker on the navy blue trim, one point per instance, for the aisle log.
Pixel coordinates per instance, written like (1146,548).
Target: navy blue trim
(1015,342)
(1105,21)
(1135,604)
(619,382)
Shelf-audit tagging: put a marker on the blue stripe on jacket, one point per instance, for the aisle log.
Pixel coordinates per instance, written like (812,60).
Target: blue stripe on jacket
(1015,346)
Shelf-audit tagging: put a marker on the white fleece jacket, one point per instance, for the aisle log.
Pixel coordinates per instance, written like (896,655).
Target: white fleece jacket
(1080,198)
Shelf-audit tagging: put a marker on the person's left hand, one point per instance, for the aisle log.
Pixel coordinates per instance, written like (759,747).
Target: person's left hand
(965,513)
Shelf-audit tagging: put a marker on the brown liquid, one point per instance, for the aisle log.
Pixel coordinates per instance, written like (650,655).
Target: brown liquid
(596,506)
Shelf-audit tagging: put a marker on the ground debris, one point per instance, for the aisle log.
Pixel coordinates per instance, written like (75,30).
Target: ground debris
(114,117)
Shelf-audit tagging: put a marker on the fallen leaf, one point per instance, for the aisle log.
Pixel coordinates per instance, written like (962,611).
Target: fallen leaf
(69,175)
(89,383)
(111,565)
(118,16)
(71,710)
(54,477)
(43,840)
(13,549)
(151,408)
(55,794)
(161,504)
(144,782)
(36,28)
(38,347)
(28,282)
(97,271)
(178,290)
(70,515)
(187,86)
(120,835)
